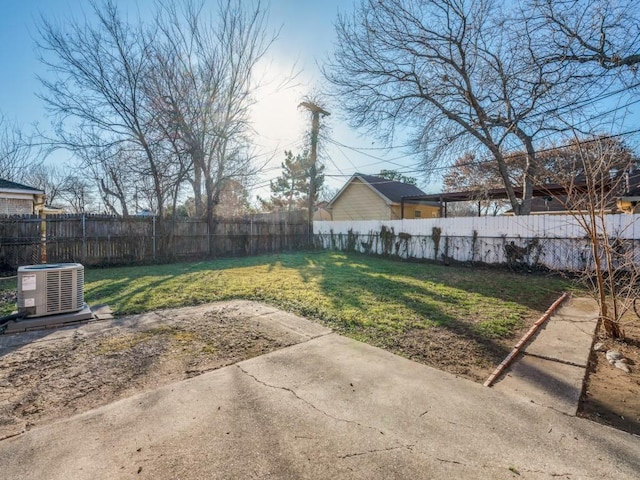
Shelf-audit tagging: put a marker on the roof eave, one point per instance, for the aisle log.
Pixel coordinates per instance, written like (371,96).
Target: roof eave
(359,177)
(23,191)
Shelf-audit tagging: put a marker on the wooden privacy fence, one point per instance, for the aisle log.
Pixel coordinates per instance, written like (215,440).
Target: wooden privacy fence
(108,240)
(555,242)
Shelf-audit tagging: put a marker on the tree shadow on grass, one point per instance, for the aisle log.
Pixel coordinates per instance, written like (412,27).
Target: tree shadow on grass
(353,296)
(446,341)
(118,286)
(125,291)
(528,290)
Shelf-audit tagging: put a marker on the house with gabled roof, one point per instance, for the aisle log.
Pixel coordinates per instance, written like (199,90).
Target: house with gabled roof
(367,197)
(18,199)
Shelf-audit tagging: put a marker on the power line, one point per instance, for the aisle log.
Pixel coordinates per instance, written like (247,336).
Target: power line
(549,149)
(509,155)
(356,149)
(346,157)
(584,103)
(602,114)
(571,105)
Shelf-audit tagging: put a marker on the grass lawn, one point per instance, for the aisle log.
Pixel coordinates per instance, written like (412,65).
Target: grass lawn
(460,319)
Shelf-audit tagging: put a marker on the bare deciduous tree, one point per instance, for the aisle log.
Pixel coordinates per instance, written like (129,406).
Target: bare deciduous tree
(96,91)
(449,70)
(18,153)
(611,271)
(78,194)
(150,106)
(114,172)
(203,84)
(599,33)
(50,179)
(464,74)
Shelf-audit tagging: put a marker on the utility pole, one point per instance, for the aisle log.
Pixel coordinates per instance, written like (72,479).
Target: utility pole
(316,111)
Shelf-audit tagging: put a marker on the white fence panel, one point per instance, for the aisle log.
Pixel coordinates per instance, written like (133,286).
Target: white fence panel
(552,241)
(531,226)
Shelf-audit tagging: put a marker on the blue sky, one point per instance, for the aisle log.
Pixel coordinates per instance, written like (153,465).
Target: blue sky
(306,37)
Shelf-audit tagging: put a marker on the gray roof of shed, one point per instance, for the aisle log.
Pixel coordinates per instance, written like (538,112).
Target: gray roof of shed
(9,185)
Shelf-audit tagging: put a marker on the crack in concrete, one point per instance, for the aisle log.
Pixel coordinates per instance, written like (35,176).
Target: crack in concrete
(552,408)
(553,359)
(574,318)
(307,402)
(377,450)
(11,435)
(443,460)
(510,468)
(546,473)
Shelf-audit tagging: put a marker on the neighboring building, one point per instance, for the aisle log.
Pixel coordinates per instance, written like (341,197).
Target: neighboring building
(622,194)
(321,211)
(624,197)
(629,199)
(366,197)
(629,203)
(18,199)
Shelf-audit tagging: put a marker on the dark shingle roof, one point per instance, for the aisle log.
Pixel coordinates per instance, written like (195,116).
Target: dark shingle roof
(394,191)
(17,186)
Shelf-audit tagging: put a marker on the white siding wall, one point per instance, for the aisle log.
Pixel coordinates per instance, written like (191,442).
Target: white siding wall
(16,206)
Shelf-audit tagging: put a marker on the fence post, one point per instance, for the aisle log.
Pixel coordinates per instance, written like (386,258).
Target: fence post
(153,235)
(43,236)
(84,237)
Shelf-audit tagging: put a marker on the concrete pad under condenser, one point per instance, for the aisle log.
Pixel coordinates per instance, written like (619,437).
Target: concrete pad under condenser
(49,321)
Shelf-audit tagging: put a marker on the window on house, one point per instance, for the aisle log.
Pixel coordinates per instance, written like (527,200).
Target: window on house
(417,214)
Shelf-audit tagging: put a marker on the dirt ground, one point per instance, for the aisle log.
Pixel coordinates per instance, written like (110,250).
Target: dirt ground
(52,374)
(611,396)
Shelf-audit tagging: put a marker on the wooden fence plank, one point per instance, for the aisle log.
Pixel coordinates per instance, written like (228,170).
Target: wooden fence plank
(105,240)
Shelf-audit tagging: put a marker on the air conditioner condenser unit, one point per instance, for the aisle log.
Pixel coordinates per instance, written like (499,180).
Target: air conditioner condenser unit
(50,289)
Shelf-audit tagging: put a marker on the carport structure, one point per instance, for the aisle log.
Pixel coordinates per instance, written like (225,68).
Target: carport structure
(547,191)
(624,187)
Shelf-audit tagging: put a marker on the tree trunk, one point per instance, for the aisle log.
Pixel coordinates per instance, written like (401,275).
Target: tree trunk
(529,173)
(197,186)
(611,327)
(502,168)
